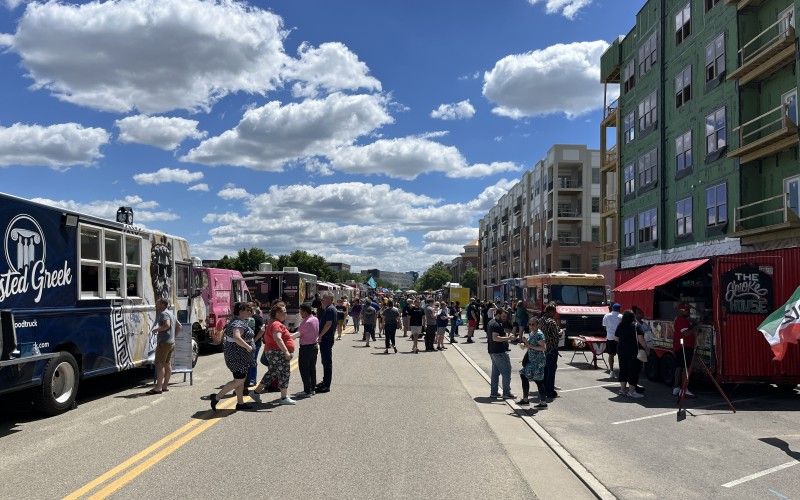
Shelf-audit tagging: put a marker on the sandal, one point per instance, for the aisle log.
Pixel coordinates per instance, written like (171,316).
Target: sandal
(153,392)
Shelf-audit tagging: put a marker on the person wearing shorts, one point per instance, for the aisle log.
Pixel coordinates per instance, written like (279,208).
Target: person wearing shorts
(165,329)
(415,315)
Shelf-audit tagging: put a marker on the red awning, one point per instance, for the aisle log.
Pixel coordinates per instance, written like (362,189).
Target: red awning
(639,290)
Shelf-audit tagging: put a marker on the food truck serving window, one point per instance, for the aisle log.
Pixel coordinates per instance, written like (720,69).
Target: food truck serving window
(578,295)
(111,264)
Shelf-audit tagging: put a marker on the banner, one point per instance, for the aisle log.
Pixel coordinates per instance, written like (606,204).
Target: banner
(747,290)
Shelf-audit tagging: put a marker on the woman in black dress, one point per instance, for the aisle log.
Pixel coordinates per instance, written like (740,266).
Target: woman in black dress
(629,338)
(239,346)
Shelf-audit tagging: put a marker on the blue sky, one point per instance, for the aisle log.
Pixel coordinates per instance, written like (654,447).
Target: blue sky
(375,133)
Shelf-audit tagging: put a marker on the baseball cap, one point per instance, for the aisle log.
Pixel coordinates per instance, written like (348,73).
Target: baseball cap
(616,307)
(683,306)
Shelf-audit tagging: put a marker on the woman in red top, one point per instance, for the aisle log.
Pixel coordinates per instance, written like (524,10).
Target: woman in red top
(279,349)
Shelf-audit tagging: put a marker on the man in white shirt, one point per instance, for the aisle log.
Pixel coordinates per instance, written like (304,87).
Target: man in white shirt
(610,323)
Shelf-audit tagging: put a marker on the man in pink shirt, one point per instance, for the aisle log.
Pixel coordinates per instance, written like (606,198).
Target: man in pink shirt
(309,332)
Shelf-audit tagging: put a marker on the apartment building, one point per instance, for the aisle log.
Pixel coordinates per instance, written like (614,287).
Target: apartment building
(469,259)
(700,172)
(548,221)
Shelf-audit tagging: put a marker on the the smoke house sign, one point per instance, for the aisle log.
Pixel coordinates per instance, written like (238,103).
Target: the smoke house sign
(747,290)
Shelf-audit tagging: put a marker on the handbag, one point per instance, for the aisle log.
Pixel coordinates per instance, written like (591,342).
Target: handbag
(642,355)
(264,360)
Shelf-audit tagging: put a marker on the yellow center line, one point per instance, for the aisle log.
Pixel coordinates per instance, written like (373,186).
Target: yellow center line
(177,439)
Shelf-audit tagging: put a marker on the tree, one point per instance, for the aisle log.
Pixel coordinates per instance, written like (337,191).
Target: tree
(307,263)
(434,277)
(470,280)
(248,260)
(226,263)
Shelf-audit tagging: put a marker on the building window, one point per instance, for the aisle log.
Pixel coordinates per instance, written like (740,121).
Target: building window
(630,127)
(648,166)
(683,24)
(595,176)
(683,87)
(683,209)
(595,234)
(715,58)
(110,264)
(629,76)
(648,223)
(717,204)
(716,131)
(711,3)
(647,54)
(648,112)
(683,152)
(595,204)
(629,175)
(629,232)
(595,263)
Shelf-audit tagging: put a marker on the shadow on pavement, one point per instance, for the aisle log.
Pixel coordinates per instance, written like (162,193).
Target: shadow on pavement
(486,400)
(781,445)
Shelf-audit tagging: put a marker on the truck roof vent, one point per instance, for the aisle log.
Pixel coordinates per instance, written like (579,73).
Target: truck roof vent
(265,266)
(290,269)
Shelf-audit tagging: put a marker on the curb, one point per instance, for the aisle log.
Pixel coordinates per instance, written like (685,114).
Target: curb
(586,477)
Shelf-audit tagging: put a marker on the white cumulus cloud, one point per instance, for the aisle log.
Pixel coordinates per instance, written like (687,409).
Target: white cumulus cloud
(55,146)
(567,8)
(270,136)
(159,131)
(162,175)
(233,193)
(558,79)
(150,55)
(408,157)
(199,187)
(330,67)
(454,111)
(143,211)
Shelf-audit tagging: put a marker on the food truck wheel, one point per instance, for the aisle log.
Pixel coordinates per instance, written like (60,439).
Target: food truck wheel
(59,385)
(195,350)
(653,368)
(668,368)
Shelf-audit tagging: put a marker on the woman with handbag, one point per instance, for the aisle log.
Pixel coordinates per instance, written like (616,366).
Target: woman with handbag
(279,349)
(533,364)
(239,347)
(630,340)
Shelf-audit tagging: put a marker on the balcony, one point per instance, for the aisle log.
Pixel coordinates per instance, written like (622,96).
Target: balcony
(768,52)
(516,254)
(504,238)
(611,114)
(516,231)
(766,135)
(611,159)
(741,4)
(609,251)
(568,211)
(609,207)
(569,183)
(569,241)
(766,220)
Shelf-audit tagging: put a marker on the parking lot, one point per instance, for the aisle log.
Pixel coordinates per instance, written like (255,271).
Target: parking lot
(638,449)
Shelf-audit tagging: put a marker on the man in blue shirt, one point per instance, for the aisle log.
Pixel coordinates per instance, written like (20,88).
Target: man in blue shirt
(327,333)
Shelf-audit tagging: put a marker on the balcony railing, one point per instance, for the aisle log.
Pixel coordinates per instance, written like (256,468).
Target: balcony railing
(568,183)
(609,251)
(767,134)
(765,216)
(516,231)
(516,254)
(767,52)
(612,156)
(568,211)
(569,241)
(609,205)
(611,108)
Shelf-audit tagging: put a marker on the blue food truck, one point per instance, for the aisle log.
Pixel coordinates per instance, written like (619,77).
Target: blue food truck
(77,297)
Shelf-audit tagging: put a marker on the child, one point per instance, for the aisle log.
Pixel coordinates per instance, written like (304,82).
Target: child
(442,319)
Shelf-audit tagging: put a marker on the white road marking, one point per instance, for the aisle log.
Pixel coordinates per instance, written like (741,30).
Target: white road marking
(588,387)
(760,474)
(112,419)
(672,412)
(139,409)
(156,401)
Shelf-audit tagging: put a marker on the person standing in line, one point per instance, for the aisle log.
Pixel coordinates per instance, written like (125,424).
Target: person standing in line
(391,317)
(442,320)
(683,328)
(327,335)
(629,338)
(552,336)
(611,322)
(257,324)
(309,333)
(430,326)
(415,318)
(521,318)
(404,311)
(455,317)
(355,313)
(473,318)
(485,315)
(369,316)
(340,315)
(533,365)
(238,349)
(316,305)
(497,344)
(165,329)
(279,348)
(643,326)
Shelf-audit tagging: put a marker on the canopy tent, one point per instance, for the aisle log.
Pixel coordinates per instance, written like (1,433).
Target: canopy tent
(640,290)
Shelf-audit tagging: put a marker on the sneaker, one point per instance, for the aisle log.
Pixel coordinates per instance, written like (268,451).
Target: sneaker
(509,396)
(494,396)
(386,351)
(214,402)
(288,401)
(541,406)
(676,391)
(244,406)
(523,402)
(469,341)
(395,349)
(689,394)
(635,395)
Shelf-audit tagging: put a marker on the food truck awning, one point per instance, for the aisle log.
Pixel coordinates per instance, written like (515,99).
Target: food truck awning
(638,291)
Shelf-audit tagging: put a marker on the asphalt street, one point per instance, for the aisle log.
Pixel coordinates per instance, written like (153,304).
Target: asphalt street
(393,426)
(638,449)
